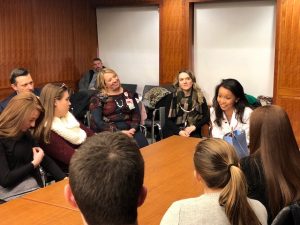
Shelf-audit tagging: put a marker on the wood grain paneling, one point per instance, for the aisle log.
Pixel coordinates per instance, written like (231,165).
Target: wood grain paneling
(171,40)
(288,45)
(54,49)
(55,40)
(292,107)
(85,46)
(97,3)
(16,38)
(287,66)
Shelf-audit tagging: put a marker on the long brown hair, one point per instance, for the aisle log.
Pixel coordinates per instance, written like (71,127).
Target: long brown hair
(272,138)
(217,163)
(18,109)
(49,94)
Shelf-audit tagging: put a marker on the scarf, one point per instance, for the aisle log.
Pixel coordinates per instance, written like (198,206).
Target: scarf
(186,110)
(69,129)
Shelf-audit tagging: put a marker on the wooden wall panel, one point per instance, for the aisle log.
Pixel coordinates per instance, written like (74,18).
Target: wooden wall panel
(287,66)
(292,107)
(16,39)
(54,48)
(171,40)
(85,46)
(55,40)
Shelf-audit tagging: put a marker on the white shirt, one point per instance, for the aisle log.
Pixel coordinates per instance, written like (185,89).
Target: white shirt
(226,127)
(205,210)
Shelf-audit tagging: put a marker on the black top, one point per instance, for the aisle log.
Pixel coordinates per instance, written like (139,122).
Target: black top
(170,125)
(15,161)
(252,168)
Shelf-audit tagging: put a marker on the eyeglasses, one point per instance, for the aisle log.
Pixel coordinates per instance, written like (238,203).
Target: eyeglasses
(63,85)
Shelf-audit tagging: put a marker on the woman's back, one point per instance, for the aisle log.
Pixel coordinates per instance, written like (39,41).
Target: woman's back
(274,149)
(205,210)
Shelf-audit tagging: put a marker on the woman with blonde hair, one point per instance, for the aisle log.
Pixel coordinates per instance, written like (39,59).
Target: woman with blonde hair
(114,108)
(225,199)
(186,107)
(273,167)
(20,155)
(59,132)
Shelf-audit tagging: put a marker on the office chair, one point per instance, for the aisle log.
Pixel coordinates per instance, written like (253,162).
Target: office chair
(130,87)
(289,215)
(152,96)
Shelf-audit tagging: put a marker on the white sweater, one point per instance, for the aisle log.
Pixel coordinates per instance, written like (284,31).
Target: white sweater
(205,210)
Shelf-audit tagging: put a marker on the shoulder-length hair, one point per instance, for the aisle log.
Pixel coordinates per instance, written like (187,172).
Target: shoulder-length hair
(272,138)
(195,86)
(15,113)
(49,94)
(217,163)
(238,91)
(100,79)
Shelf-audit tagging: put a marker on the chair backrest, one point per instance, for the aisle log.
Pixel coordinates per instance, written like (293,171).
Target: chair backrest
(289,215)
(130,87)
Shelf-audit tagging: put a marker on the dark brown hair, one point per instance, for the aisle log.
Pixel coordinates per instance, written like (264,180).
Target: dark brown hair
(238,91)
(106,178)
(272,138)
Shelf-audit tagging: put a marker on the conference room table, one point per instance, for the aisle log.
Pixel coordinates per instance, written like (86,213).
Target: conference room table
(168,177)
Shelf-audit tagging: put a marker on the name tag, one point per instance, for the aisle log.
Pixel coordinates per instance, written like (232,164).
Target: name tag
(129,103)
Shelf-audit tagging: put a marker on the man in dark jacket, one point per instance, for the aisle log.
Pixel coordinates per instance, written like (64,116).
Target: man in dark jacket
(21,81)
(89,79)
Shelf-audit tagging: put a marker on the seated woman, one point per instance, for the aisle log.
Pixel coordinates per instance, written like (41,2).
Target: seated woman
(20,156)
(186,108)
(60,133)
(230,109)
(272,169)
(114,108)
(225,199)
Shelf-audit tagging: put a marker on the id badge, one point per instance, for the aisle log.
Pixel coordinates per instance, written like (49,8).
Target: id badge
(129,103)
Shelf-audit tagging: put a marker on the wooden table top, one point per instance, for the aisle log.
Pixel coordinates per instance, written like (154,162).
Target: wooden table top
(168,177)
(26,212)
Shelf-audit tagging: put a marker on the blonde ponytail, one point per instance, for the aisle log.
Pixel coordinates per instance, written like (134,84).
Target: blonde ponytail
(217,163)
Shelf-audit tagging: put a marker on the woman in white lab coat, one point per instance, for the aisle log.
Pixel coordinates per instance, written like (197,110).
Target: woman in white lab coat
(230,110)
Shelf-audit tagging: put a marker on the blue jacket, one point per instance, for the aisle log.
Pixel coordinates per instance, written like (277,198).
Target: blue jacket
(3,104)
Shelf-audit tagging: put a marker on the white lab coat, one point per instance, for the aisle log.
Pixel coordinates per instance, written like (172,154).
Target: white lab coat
(226,127)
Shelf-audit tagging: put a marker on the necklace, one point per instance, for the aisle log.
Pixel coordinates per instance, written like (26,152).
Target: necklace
(119,105)
(186,111)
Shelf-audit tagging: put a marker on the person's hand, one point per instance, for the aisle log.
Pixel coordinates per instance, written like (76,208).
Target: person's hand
(132,131)
(184,133)
(190,129)
(127,132)
(38,155)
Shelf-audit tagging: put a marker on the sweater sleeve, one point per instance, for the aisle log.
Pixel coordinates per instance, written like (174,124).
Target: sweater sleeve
(97,122)
(51,167)
(10,177)
(87,130)
(59,149)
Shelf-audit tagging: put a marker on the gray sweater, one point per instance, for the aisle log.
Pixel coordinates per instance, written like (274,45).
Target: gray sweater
(205,210)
